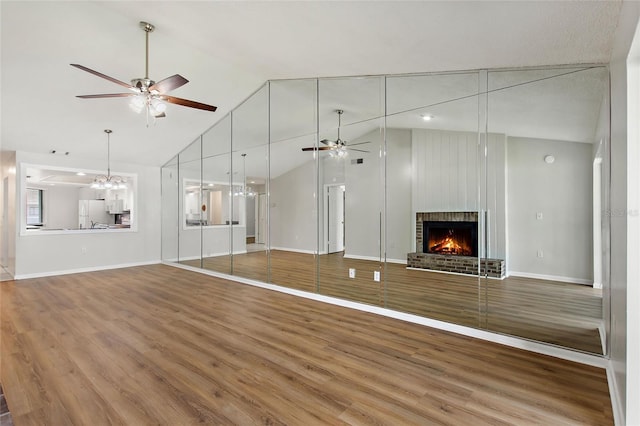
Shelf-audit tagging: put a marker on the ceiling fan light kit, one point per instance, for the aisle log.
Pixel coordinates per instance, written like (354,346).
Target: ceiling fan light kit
(146,94)
(337,148)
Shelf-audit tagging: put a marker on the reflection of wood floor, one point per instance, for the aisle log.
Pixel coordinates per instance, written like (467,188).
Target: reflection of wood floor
(161,345)
(553,312)
(5,275)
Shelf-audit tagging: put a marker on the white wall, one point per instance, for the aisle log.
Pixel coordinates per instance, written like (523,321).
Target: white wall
(293,211)
(170,212)
(207,241)
(625,230)
(562,193)
(364,200)
(633,234)
(46,254)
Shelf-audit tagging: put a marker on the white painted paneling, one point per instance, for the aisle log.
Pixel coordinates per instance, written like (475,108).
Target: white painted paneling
(445,168)
(494,200)
(446,177)
(400,224)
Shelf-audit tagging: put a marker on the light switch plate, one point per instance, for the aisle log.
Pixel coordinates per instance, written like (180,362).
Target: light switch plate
(376,275)
(352,272)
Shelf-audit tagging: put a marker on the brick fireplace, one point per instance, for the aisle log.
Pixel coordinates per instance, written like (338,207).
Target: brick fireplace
(448,242)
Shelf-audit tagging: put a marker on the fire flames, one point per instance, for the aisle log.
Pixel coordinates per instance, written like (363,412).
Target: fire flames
(450,245)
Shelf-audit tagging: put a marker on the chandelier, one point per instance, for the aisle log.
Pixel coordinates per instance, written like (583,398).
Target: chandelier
(244,189)
(108,181)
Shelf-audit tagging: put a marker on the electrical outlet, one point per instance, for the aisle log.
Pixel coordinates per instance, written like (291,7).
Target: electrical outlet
(540,253)
(352,272)
(539,215)
(376,276)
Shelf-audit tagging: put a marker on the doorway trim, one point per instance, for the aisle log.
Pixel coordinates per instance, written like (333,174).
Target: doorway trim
(327,216)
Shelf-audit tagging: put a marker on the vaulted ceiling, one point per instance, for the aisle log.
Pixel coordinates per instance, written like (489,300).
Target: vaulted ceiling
(228,49)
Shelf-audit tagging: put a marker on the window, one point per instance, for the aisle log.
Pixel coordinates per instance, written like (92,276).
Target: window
(35,207)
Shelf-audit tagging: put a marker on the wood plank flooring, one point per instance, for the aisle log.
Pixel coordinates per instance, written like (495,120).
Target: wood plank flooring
(164,346)
(547,311)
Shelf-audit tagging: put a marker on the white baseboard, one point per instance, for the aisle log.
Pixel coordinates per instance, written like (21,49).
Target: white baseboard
(182,258)
(602,333)
(397,261)
(515,342)
(241,252)
(374,259)
(550,277)
(357,257)
(297,250)
(81,270)
(616,400)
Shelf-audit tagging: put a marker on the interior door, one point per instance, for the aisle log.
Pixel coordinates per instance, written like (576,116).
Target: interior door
(335,218)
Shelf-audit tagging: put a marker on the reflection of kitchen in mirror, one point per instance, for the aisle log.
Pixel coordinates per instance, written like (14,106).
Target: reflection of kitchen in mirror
(64,200)
(210,205)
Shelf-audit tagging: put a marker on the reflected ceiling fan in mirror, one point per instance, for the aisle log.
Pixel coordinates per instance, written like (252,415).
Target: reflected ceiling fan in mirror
(337,148)
(148,95)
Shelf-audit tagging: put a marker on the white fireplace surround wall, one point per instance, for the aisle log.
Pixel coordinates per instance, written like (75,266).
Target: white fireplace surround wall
(446,176)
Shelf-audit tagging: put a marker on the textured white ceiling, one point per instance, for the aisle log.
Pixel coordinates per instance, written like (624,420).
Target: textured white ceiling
(228,49)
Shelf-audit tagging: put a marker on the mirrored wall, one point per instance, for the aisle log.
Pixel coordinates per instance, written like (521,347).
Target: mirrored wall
(474,198)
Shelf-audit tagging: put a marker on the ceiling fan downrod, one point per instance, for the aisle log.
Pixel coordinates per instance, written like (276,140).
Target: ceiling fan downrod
(147,27)
(340,112)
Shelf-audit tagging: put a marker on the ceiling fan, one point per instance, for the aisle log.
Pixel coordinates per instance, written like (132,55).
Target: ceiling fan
(147,94)
(338,147)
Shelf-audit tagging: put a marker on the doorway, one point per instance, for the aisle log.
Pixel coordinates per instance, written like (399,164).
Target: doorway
(258,218)
(334,218)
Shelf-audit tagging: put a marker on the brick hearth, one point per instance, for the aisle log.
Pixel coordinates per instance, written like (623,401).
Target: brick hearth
(494,268)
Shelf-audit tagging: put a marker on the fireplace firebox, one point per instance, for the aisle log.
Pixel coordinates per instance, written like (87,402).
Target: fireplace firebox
(450,237)
(448,242)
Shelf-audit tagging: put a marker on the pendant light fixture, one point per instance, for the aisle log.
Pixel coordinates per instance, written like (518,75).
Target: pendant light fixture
(108,181)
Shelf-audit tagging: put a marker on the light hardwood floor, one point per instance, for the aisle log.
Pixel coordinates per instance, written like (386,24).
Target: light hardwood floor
(548,311)
(161,345)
